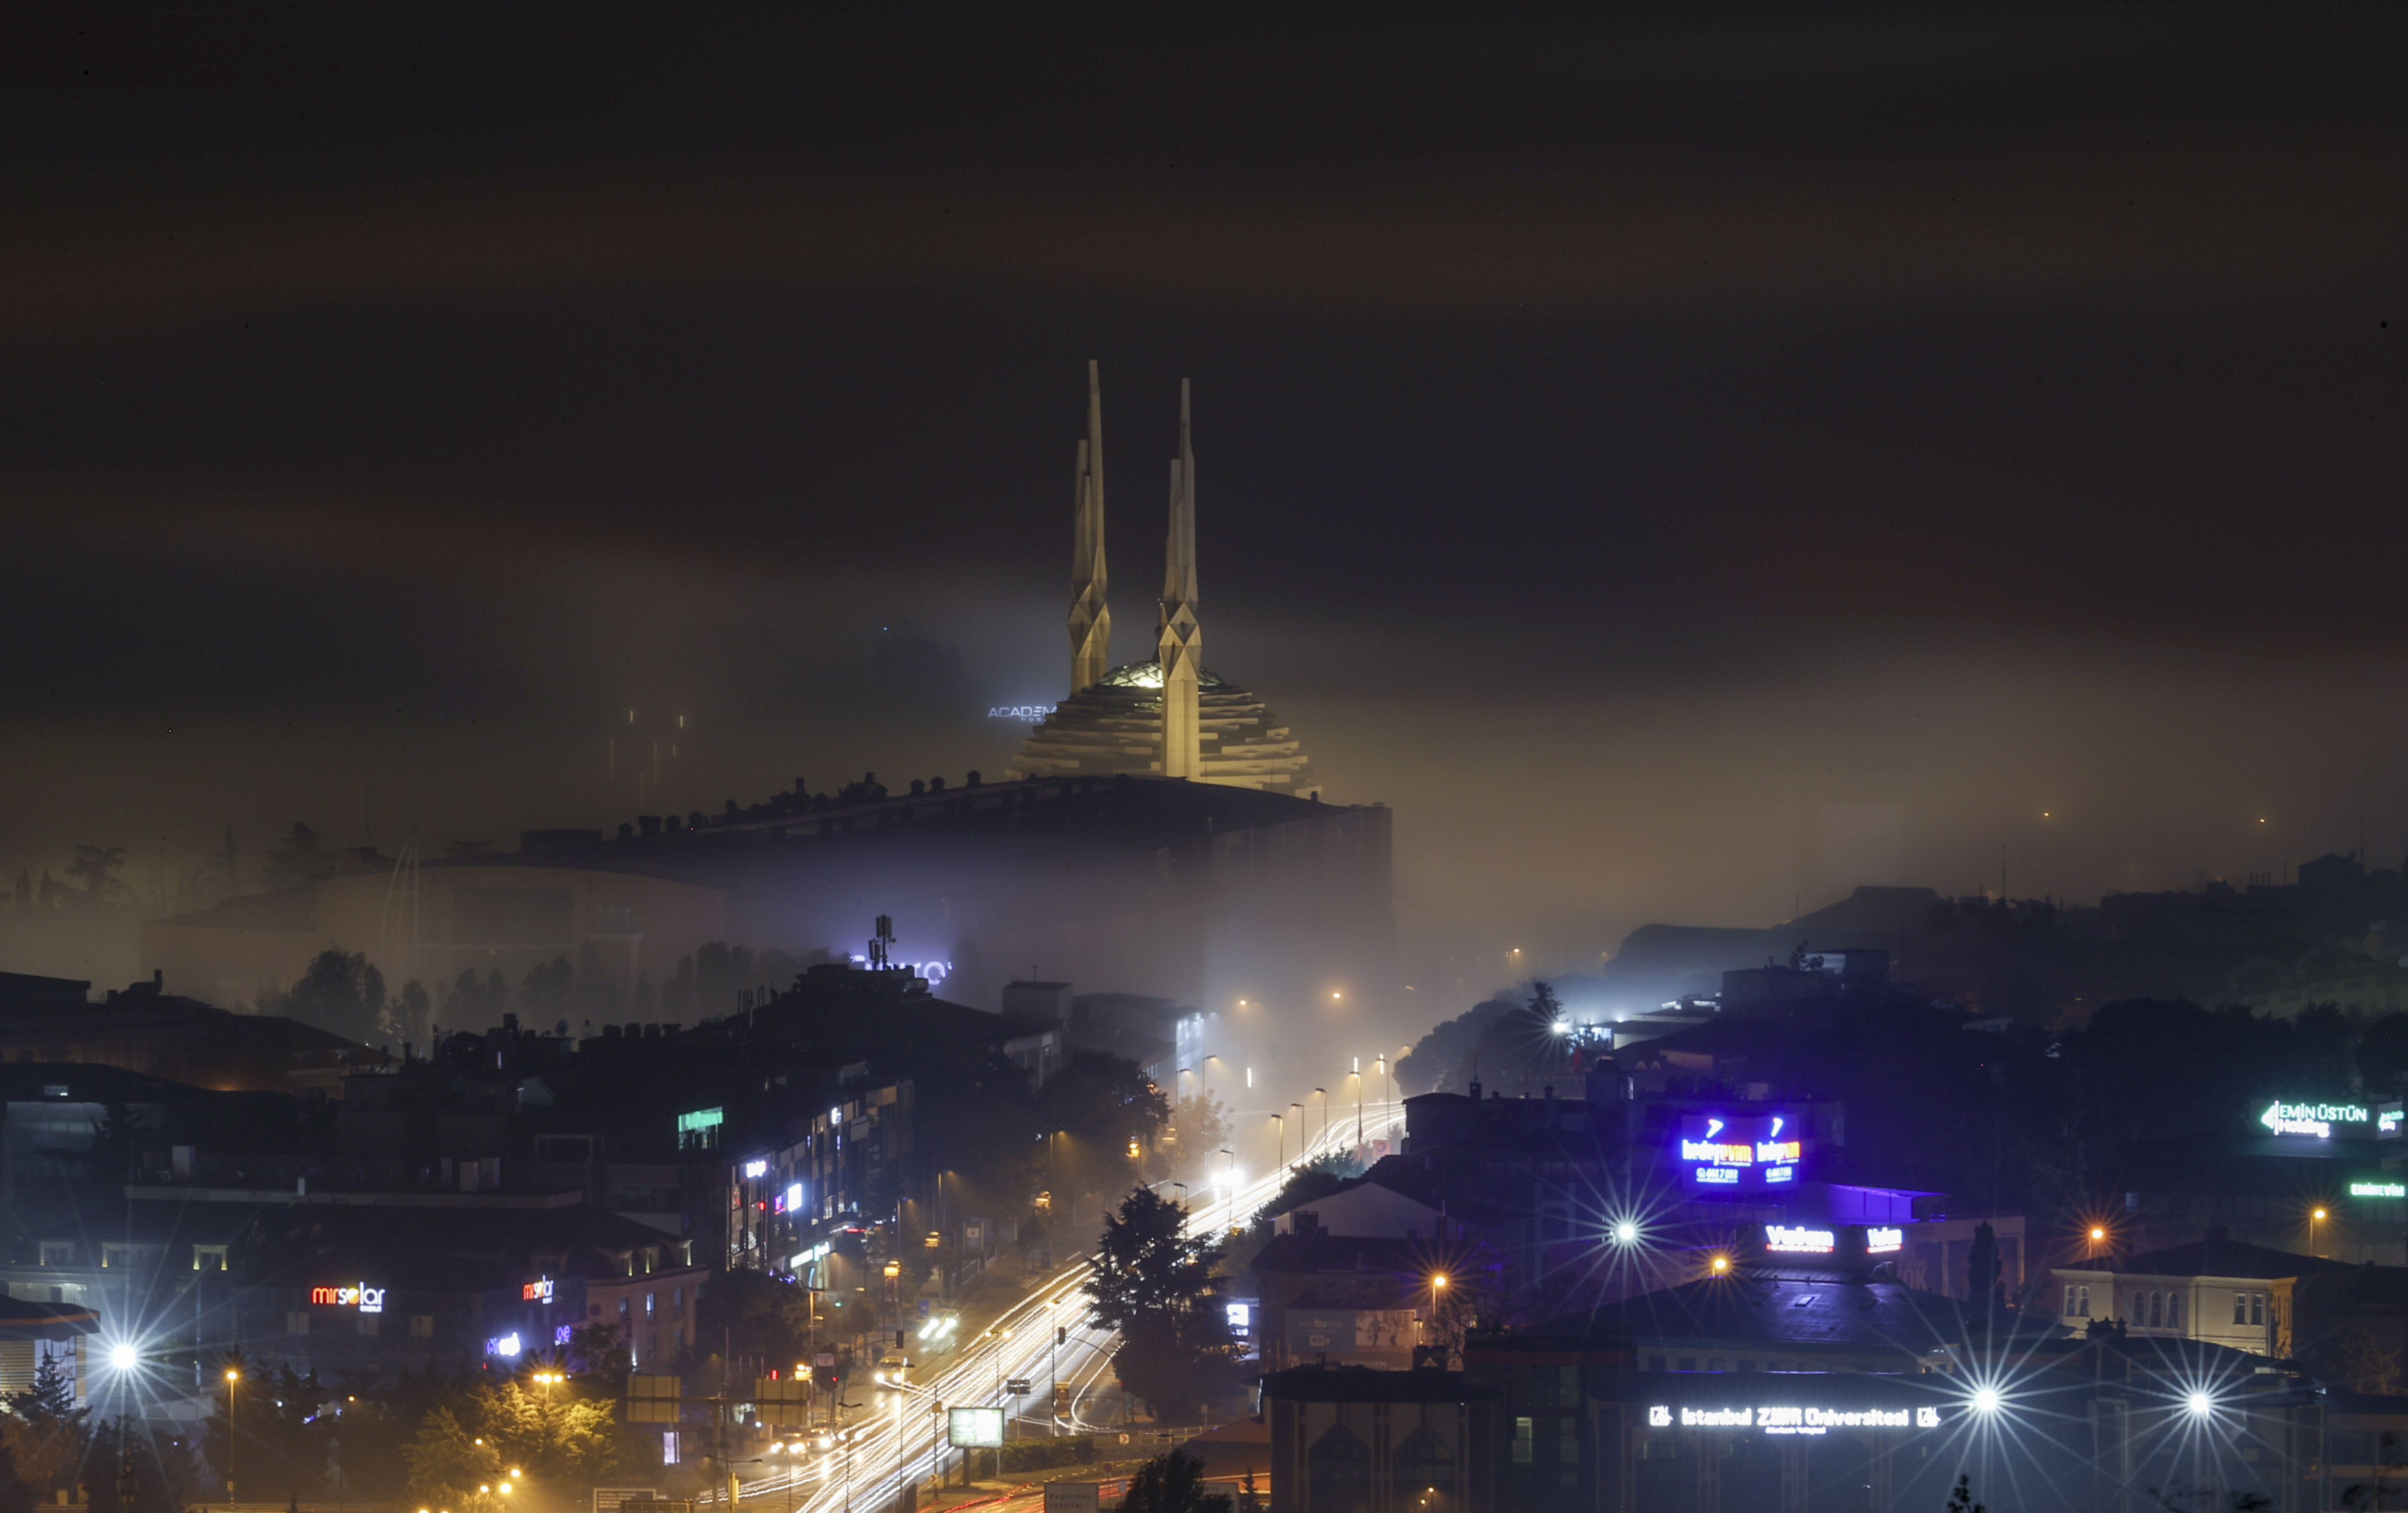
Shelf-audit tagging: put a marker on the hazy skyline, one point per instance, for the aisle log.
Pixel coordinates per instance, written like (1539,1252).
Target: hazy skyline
(1686,468)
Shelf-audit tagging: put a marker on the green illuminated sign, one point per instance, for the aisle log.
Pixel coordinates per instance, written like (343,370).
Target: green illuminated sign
(701,1119)
(2378,1190)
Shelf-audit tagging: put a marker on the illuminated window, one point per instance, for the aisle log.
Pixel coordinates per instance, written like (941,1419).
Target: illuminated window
(648,1305)
(1522,1441)
(58,1252)
(208,1258)
(422,1326)
(2239,1307)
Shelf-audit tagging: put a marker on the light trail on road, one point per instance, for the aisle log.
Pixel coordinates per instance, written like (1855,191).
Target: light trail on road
(902,1434)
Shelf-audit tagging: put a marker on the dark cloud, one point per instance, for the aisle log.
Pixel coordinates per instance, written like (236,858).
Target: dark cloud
(1684,462)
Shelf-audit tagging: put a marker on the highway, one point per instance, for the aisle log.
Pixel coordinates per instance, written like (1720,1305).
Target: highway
(899,1435)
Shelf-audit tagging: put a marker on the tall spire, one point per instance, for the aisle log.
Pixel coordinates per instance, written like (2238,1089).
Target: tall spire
(1091,619)
(1178,641)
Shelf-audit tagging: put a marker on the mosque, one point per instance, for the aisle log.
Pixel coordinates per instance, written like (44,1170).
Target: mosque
(1160,834)
(1169,715)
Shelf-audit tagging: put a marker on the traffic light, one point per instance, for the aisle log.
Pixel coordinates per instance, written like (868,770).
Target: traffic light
(1061,1336)
(898,1339)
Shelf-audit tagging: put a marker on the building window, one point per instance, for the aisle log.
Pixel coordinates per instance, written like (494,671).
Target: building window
(2257,1307)
(2239,1307)
(422,1326)
(58,1252)
(368,1326)
(1522,1441)
(2156,1310)
(648,1303)
(296,1323)
(208,1258)
(1654,1362)
(2174,1310)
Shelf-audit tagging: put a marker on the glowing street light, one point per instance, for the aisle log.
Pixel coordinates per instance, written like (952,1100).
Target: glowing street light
(2316,1217)
(1985,1400)
(124,1357)
(1721,1265)
(1626,1232)
(2200,1404)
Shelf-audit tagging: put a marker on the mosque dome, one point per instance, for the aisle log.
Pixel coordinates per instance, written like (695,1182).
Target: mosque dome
(1116,726)
(1133,718)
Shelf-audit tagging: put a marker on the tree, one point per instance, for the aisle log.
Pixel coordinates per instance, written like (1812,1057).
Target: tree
(556,1443)
(95,871)
(1961,1500)
(43,1429)
(1149,1280)
(1203,1126)
(1310,1183)
(1173,1483)
(134,1467)
(340,992)
(1982,1270)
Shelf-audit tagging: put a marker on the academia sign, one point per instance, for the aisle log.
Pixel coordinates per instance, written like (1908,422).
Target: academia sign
(1791,1419)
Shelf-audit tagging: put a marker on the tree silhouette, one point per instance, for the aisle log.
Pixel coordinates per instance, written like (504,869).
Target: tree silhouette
(94,872)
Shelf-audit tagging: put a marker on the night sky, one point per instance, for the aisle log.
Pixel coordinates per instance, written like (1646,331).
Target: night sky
(1688,467)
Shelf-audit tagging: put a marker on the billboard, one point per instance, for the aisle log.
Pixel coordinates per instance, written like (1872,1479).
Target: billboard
(1352,1336)
(1738,1153)
(974,1428)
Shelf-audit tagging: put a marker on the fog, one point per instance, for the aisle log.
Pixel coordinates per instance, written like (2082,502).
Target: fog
(1685,473)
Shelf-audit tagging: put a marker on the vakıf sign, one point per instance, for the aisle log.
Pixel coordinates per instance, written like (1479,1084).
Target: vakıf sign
(2312,1121)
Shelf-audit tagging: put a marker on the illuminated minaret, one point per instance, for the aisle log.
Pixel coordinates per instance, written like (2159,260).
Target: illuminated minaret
(1179,644)
(1091,622)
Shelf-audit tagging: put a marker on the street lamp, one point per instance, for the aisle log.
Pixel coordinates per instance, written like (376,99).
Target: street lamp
(1626,1232)
(1207,1079)
(1280,1120)
(1985,1400)
(1722,1265)
(1325,1110)
(2316,1217)
(233,1380)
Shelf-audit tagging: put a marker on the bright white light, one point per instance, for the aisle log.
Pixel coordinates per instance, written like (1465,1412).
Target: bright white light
(1985,1400)
(1563,1027)
(2202,1404)
(124,1357)
(1626,1232)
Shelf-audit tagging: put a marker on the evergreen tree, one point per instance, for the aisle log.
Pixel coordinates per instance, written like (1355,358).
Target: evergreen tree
(1150,1278)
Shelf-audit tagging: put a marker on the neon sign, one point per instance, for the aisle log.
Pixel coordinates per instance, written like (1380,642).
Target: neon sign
(1819,1242)
(1742,1153)
(360,1296)
(756,1168)
(2378,1190)
(1881,1242)
(2387,1121)
(504,1345)
(1019,711)
(1786,1418)
(2313,1119)
(539,1290)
